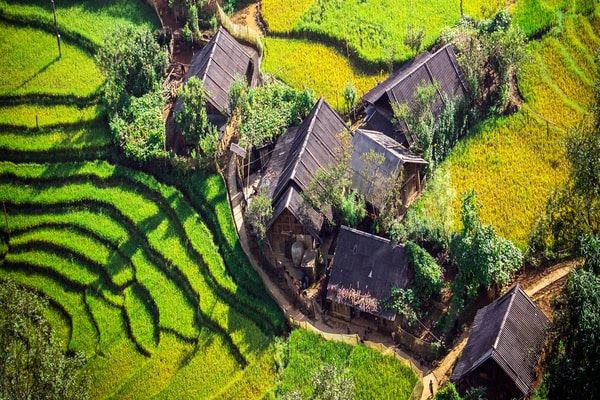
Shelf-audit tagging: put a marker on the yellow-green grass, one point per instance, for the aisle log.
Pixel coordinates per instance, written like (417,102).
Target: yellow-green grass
(176,313)
(373,374)
(139,313)
(31,56)
(83,335)
(91,19)
(160,231)
(117,267)
(24,115)
(301,64)
(282,16)
(52,139)
(515,163)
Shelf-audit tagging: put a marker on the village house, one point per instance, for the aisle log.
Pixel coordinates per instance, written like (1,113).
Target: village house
(365,268)
(439,68)
(294,230)
(218,64)
(503,348)
(379,163)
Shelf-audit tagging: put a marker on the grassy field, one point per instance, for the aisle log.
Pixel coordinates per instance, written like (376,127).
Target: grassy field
(322,69)
(375,376)
(516,162)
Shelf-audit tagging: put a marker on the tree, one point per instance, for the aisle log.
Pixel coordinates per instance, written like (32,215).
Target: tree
(32,364)
(483,257)
(140,129)
(192,118)
(404,303)
(134,64)
(259,211)
(350,96)
(352,208)
(573,368)
(328,384)
(428,274)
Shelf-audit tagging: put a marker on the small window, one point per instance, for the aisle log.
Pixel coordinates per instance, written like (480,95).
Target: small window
(355,249)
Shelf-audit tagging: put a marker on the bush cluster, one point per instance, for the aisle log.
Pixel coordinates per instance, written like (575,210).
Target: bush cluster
(428,274)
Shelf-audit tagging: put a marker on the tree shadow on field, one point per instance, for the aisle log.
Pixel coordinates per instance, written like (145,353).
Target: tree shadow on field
(36,74)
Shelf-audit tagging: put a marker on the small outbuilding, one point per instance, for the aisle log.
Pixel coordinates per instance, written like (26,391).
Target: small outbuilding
(439,68)
(218,64)
(504,347)
(379,163)
(298,155)
(365,268)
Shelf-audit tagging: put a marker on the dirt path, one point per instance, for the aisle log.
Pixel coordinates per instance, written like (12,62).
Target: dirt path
(249,16)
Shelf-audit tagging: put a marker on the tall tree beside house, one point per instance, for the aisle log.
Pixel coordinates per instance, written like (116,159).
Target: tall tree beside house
(192,118)
(32,363)
(483,258)
(134,65)
(259,211)
(428,274)
(350,97)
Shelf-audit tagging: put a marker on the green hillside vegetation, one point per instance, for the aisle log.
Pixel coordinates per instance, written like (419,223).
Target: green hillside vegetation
(514,163)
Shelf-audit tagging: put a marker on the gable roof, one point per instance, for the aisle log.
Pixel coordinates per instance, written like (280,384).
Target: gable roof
(427,68)
(395,156)
(365,268)
(217,65)
(316,145)
(293,201)
(510,331)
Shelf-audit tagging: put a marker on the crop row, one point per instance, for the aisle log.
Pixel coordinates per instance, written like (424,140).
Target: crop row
(28,116)
(146,215)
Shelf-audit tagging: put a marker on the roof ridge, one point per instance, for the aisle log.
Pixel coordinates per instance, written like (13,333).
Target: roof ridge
(513,295)
(366,234)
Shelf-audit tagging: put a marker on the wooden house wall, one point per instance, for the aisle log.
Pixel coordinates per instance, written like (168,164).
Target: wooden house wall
(283,233)
(490,376)
(411,186)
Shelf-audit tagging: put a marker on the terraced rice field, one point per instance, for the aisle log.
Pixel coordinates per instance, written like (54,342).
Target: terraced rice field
(515,163)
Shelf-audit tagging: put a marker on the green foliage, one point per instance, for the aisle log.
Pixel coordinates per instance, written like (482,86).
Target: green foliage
(475,393)
(414,39)
(448,392)
(373,375)
(350,96)
(269,110)
(534,17)
(258,213)
(33,365)
(590,250)
(483,257)
(134,64)
(192,118)
(139,128)
(352,209)
(404,303)
(574,360)
(428,274)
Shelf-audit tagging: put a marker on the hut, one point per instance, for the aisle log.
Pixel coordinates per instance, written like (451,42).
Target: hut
(364,270)
(393,163)
(298,155)
(439,68)
(218,64)
(504,347)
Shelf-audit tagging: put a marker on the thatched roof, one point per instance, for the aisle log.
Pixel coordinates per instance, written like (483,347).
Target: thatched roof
(511,332)
(365,268)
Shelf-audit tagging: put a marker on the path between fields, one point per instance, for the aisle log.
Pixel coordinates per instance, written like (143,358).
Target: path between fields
(430,378)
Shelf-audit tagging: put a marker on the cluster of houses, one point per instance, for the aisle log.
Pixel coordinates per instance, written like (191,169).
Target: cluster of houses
(353,270)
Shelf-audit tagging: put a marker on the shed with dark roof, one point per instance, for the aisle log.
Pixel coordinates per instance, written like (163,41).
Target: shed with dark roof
(504,347)
(378,162)
(218,64)
(365,268)
(439,68)
(298,155)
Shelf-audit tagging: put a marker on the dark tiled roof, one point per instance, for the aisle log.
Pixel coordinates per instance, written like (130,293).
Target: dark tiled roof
(370,266)
(511,331)
(217,65)
(276,164)
(440,67)
(316,145)
(293,201)
(395,156)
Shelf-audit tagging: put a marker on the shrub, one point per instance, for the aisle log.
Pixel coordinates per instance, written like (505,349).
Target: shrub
(140,129)
(352,209)
(428,274)
(258,213)
(483,257)
(192,118)
(134,64)
(448,392)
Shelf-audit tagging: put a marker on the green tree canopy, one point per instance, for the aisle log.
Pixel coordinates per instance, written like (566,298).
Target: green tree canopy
(192,118)
(32,364)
